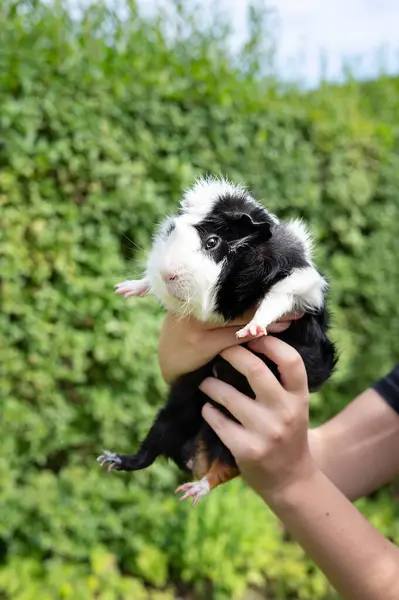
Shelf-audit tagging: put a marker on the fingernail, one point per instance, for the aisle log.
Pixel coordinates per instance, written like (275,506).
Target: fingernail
(209,410)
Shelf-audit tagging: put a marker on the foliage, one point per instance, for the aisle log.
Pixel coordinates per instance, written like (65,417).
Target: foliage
(103,121)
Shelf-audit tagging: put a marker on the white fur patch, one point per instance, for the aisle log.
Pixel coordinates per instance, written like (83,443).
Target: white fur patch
(300,231)
(199,199)
(180,253)
(303,290)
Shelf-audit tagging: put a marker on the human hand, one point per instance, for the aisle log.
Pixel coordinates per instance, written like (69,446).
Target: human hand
(186,344)
(271,444)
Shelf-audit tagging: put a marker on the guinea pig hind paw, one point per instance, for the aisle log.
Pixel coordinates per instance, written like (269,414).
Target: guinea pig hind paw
(253,329)
(195,490)
(113,460)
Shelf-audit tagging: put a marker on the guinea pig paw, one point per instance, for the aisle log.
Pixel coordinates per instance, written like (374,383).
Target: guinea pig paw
(195,490)
(254,329)
(132,287)
(111,458)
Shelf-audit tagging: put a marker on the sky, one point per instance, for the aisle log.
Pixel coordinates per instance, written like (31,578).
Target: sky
(365,32)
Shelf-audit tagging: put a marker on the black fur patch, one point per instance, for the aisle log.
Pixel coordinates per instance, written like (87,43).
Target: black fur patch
(248,275)
(268,252)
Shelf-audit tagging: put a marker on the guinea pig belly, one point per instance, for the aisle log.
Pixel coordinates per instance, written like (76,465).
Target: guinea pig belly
(212,465)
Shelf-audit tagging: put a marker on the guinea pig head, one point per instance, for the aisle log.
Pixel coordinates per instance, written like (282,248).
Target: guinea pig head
(217,222)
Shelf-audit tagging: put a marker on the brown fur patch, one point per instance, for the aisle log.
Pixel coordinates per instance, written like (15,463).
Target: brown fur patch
(220,473)
(200,461)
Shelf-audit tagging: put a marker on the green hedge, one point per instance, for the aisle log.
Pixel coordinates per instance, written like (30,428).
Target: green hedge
(103,121)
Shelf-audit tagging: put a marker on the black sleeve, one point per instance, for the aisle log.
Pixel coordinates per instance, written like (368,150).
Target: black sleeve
(388,388)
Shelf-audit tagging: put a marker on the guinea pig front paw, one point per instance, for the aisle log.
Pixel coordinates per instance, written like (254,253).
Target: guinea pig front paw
(253,328)
(195,490)
(132,287)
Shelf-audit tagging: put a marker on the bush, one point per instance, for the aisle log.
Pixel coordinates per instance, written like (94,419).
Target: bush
(103,121)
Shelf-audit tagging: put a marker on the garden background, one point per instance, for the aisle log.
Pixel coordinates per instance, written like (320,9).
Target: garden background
(105,118)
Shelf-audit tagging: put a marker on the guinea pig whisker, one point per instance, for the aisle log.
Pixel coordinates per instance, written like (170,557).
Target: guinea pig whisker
(133,243)
(185,309)
(243,243)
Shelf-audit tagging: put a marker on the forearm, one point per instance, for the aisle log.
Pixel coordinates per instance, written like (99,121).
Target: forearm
(359,448)
(269,441)
(357,560)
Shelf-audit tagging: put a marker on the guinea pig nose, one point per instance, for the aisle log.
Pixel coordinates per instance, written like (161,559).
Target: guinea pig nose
(167,277)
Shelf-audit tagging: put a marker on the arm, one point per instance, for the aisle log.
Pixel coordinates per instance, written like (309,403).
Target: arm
(358,561)
(366,432)
(359,448)
(271,449)
(187,344)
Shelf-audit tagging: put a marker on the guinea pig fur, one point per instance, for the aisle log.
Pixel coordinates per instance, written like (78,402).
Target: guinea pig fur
(222,254)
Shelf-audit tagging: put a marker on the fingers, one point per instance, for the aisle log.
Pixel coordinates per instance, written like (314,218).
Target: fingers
(291,317)
(289,362)
(233,435)
(249,413)
(283,323)
(261,379)
(259,376)
(278,326)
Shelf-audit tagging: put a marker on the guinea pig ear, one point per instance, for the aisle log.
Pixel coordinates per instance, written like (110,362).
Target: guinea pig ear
(261,227)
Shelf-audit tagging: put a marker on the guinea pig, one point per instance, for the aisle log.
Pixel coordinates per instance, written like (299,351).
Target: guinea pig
(222,254)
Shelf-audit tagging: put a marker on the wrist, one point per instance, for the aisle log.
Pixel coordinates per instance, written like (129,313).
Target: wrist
(290,495)
(318,446)
(290,487)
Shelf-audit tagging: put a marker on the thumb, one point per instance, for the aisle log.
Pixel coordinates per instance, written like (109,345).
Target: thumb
(223,338)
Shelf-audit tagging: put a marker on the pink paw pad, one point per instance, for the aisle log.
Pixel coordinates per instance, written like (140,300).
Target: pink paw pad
(253,329)
(195,490)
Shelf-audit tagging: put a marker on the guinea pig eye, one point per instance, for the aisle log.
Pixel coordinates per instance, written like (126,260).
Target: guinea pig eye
(212,242)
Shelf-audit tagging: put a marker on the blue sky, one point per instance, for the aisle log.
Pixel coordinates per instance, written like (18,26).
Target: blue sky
(364,31)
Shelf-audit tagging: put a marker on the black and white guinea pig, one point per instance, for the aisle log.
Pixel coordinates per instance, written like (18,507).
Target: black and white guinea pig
(221,255)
